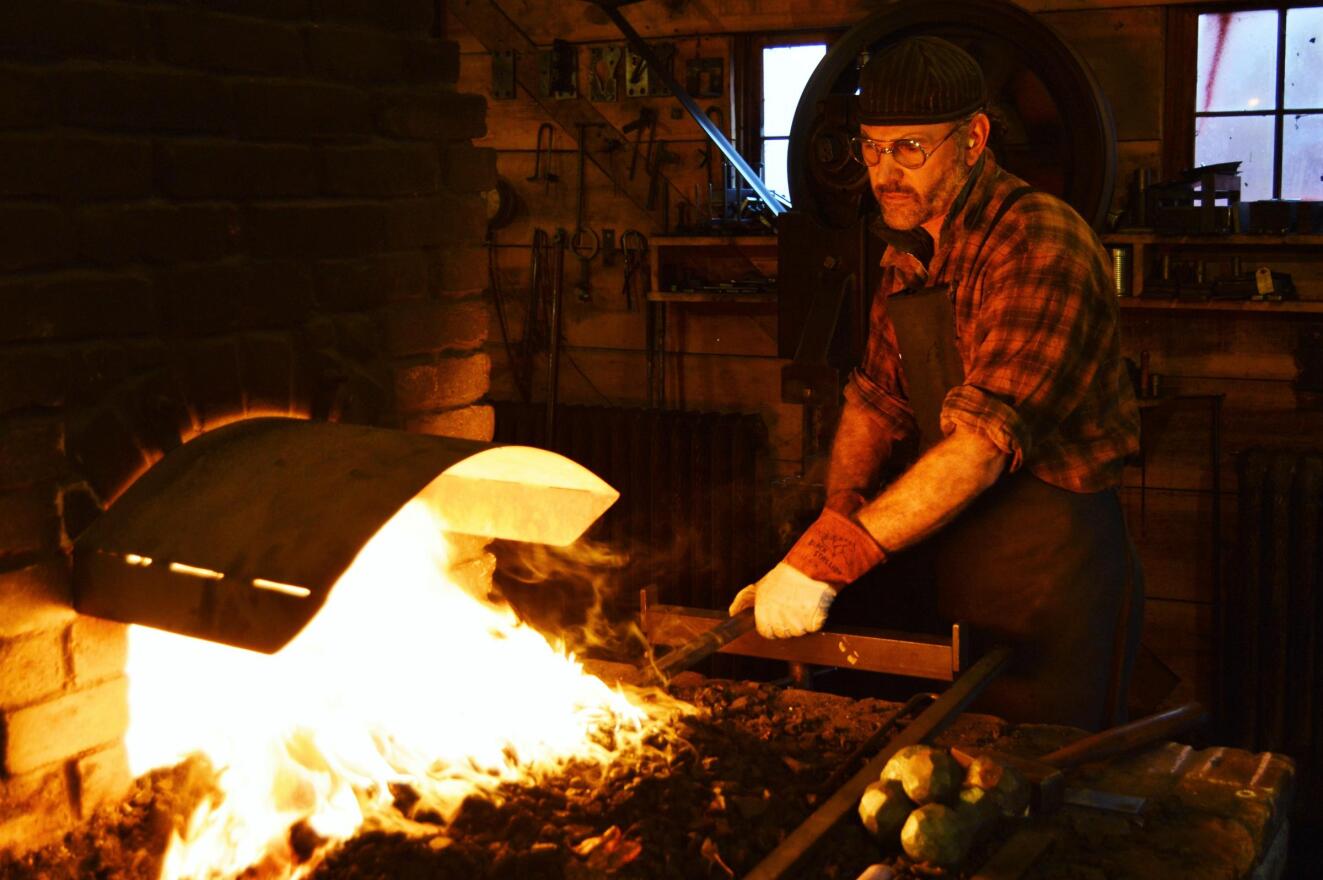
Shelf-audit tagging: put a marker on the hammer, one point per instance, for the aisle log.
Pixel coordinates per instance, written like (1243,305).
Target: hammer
(1045,775)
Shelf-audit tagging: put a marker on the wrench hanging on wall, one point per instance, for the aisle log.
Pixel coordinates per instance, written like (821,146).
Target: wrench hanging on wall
(659,69)
(584,242)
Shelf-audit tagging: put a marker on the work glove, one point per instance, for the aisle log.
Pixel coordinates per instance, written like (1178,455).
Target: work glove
(793,598)
(786,602)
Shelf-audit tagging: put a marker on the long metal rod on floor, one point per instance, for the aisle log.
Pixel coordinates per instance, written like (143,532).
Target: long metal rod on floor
(931,722)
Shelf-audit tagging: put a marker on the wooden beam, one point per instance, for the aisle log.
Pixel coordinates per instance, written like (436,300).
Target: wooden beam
(498,32)
(666,20)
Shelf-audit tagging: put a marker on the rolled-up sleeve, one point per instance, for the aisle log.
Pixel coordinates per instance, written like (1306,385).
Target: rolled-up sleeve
(1038,317)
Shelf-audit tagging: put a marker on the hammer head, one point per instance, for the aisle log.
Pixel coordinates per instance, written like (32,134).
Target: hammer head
(1046,783)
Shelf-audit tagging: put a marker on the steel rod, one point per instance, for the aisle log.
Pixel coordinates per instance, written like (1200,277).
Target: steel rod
(867,650)
(930,722)
(701,647)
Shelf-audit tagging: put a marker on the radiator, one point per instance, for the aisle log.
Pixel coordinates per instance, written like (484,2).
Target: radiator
(1271,652)
(688,513)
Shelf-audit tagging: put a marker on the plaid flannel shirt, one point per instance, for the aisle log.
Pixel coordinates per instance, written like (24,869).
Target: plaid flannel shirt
(1036,328)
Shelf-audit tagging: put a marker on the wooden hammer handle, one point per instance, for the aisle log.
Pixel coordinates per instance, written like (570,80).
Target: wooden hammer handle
(1126,737)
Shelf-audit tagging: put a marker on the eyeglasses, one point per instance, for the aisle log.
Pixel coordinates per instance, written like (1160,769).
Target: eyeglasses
(907,152)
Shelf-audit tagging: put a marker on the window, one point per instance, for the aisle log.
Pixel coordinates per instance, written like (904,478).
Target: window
(786,69)
(1259,99)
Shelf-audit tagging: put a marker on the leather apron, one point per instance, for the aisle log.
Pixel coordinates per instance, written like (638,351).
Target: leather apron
(1047,571)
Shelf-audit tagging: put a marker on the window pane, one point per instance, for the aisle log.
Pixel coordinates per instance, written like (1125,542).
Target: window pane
(786,70)
(775,173)
(1247,139)
(1304,57)
(1302,157)
(1237,61)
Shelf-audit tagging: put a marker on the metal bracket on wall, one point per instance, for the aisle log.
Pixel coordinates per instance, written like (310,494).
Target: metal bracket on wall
(705,77)
(640,81)
(559,69)
(603,62)
(503,75)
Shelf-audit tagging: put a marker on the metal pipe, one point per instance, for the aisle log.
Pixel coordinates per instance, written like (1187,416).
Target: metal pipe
(716,135)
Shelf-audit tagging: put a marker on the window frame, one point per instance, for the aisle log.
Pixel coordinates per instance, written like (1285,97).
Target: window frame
(1181,112)
(749,86)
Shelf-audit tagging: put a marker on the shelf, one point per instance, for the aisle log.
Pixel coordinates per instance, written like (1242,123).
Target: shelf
(1277,240)
(1146,248)
(714,240)
(1293,307)
(709,296)
(683,266)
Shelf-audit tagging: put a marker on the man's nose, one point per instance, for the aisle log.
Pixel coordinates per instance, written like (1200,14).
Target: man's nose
(885,173)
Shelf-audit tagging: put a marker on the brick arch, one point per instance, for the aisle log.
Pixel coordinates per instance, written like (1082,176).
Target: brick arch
(204,386)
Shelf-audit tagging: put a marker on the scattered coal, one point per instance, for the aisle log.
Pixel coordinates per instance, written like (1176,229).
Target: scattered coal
(716,796)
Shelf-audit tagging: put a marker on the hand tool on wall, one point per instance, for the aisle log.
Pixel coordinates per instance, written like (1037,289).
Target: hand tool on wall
(584,242)
(657,68)
(660,156)
(541,166)
(647,121)
(553,330)
(634,246)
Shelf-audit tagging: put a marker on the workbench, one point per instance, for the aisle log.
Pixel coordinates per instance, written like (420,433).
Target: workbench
(1209,813)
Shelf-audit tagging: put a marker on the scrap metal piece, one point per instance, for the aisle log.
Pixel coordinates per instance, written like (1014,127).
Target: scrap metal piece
(871,650)
(932,721)
(239,535)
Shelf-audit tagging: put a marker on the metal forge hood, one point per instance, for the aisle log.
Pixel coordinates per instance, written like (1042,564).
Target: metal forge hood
(238,536)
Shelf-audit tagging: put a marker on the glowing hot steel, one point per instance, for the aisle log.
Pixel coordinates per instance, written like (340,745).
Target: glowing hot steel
(403,677)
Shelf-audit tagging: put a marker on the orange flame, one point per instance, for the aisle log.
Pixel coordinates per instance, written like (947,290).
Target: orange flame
(403,677)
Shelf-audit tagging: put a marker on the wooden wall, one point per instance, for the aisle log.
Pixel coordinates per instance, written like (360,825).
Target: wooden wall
(725,355)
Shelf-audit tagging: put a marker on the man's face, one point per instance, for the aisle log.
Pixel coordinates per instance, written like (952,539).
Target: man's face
(911,197)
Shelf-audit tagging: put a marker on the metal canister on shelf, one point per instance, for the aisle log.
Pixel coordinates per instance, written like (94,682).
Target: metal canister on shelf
(1120,255)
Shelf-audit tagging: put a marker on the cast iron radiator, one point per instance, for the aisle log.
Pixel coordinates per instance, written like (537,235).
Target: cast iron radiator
(1271,648)
(689,512)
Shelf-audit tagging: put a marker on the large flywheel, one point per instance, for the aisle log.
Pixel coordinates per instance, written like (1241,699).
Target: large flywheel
(1052,123)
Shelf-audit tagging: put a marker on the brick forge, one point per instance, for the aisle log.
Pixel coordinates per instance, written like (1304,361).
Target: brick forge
(209,216)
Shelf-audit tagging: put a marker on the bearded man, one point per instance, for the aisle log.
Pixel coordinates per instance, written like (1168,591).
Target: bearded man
(1014,498)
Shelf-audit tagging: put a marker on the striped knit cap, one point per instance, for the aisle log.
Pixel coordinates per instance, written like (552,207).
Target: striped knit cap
(917,81)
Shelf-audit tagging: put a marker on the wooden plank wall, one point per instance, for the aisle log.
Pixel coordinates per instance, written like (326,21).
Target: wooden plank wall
(725,355)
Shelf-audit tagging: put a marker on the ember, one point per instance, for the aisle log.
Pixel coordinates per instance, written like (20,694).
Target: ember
(747,767)
(404,681)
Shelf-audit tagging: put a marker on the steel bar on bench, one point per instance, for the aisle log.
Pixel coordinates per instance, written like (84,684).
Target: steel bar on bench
(931,722)
(869,650)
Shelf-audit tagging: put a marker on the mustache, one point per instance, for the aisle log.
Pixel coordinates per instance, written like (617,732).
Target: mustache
(893,190)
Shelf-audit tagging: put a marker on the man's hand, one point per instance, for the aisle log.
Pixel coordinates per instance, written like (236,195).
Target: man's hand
(793,598)
(786,602)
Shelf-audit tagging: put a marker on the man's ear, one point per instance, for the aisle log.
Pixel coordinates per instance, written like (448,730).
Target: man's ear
(976,138)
